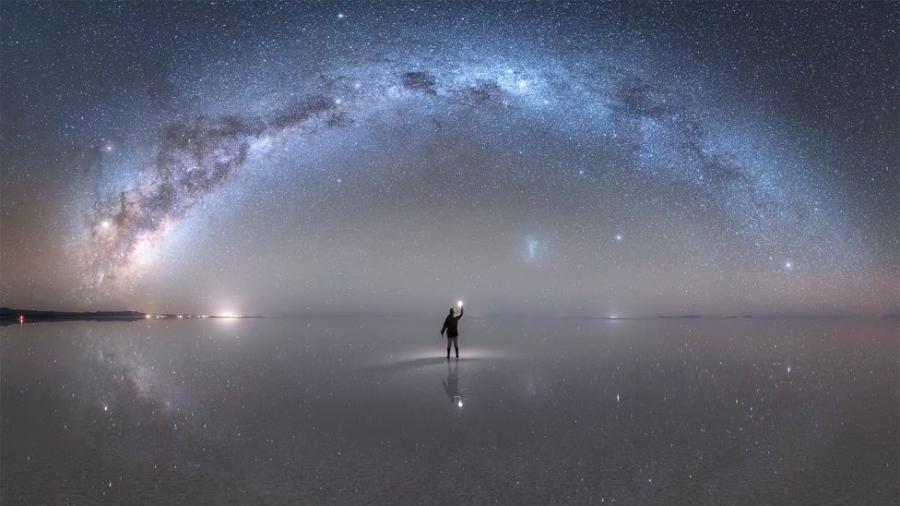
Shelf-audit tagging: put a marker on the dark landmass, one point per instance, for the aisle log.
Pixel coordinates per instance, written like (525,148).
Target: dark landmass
(10,316)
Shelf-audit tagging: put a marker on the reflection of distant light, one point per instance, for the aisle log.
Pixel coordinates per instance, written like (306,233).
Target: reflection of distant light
(613,316)
(459,403)
(21,318)
(228,314)
(105,224)
(148,316)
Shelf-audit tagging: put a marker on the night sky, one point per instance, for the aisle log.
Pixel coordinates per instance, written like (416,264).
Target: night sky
(551,159)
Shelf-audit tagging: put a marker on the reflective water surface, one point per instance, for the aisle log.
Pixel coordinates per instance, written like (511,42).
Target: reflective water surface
(365,410)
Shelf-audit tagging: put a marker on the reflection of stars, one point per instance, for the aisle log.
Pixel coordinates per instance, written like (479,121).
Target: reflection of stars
(789,265)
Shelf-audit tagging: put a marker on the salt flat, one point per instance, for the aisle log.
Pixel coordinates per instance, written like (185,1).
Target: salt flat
(365,410)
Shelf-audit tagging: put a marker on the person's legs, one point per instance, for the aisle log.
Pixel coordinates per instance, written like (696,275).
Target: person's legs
(455,345)
(448,347)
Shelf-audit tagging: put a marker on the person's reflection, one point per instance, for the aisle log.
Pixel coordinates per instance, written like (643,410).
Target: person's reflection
(451,384)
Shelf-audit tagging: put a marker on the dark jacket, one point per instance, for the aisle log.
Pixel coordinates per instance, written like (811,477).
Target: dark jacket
(450,324)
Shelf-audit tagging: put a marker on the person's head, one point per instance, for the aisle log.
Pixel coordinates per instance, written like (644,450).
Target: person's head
(451,311)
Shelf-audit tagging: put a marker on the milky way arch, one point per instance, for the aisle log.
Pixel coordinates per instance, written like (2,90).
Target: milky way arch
(657,130)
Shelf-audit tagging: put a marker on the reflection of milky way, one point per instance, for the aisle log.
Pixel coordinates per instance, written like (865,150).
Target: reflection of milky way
(641,124)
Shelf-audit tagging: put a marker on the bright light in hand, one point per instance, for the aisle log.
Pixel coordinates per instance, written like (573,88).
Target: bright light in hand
(459,303)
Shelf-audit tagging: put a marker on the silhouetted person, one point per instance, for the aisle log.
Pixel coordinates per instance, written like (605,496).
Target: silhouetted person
(450,326)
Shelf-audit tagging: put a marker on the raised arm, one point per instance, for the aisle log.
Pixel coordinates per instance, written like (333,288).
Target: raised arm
(461,311)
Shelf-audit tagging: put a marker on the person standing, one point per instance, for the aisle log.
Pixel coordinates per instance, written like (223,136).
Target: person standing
(451,327)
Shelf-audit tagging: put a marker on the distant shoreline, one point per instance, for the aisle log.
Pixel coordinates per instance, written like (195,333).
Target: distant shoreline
(9,316)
